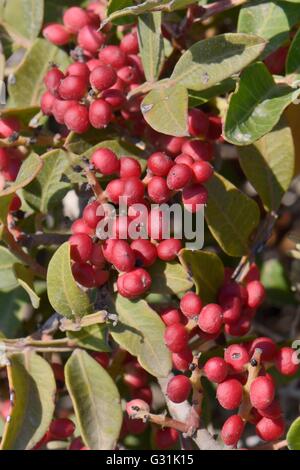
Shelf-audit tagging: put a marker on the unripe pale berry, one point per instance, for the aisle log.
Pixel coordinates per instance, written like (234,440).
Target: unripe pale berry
(129,167)
(210,319)
(237,357)
(256,293)
(134,284)
(166,438)
(57,34)
(129,44)
(176,337)
(179,388)
(194,196)
(160,164)
(203,171)
(53,79)
(75,18)
(81,247)
(191,305)
(90,214)
(198,149)
(216,369)
(103,77)
(123,256)
(114,56)
(105,161)
(84,274)
(182,360)
(77,118)
(285,361)
(158,190)
(262,392)
(229,394)
(267,347)
(133,406)
(100,113)
(8,126)
(79,69)
(270,429)
(232,430)
(197,123)
(145,252)
(167,250)
(47,102)
(62,428)
(179,176)
(90,39)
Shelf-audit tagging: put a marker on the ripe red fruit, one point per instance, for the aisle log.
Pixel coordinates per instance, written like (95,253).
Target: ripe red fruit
(130,167)
(262,392)
(79,226)
(8,126)
(15,204)
(216,369)
(215,128)
(256,293)
(198,123)
(4,158)
(232,430)
(194,196)
(198,149)
(158,224)
(236,356)
(105,161)
(90,39)
(53,79)
(100,114)
(272,411)
(133,191)
(77,444)
(59,109)
(79,69)
(133,406)
(61,428)
(185,159)
(129,75)
(107,249)
(145,252)
(120,227)
(101,277)
(286,361)
(77,118)
(171,145)
(72,88)
(229,394)
(90,216)
(203,171)
(143,393)
(179,176)
(267,346)
(134,284)
(160,164)
(129,44)
(253,273)
(103,77)
(210,319)
(11,171)
(270,429)
(171,315)
(75,18)
(276,60)
(168,250)
(176,337)
(84,274)
(179,388)
(114,190)
(191,305)
(97,256)
(81,247)
(166,438)
(240,328)
(232,309)
(114,98)
(182,360)
(134,376)
(123,256)
(158,190)
(114,56)
(102,358)
(57,34)
(47,102)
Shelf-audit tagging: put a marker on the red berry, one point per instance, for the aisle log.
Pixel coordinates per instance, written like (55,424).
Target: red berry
(229,394)
(270,429)
(114,190)
(129,44)
(134,376)
(57,34)
(120,227)
(134,284)
(79,226)
(160,164)
(15,204)
(145,252)
(233,289)
(198,149)
(62,428)
(182,359)
(100,113)
(171,145)
(185,159)
(130,167)
(101,277)
(276,60)
(90,39)
(103,77)
(81,247)
(102,358)
(286,361)
(123,256)
(232,430)
(262,392)
(256,293)
(114,56)
(93,63)
(59,109)
(143,393)
(166,438)
(231,310)
(179,388)
(215,128)
(105,161)
(77,118)
(271,411)
(203,171)
(8,126)
(47,102)
(53,79)
(191,305)
(4,158)
(133,191)
(253,273)
(158,190)
(107,249)
(158,224)
(90,216)
(77,444)
(114,98)
(168,250)
(79,69)
(72,88)
(216,369)
(210,319)
(171,315)
(84,274)
(97,256)
(176,337)
(194,196)
(179,176)
(10,173)
(75,18)
(237,357)
(240,328)
(198,123)
(129,75)
(133,406)
(266,345)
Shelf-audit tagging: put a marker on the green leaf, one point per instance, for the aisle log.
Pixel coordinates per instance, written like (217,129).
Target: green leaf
(277,285)
(151,44)
(23,114)
(169,278)
(120,10)
(293,58)
(80,143)
(197,98)
(25,278)
(64,294)
(212,60)
(207,270)
(165,109)
(92,337)
(293,435)
(29,87)
(141,332)
(30,168)
(256,106)
(269,165)
(271,20)
(32,380)
(4,207)
(119,5)
(47,190)
(14,309)
(23,19)
(96,401)
(231,215)
(8,280)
